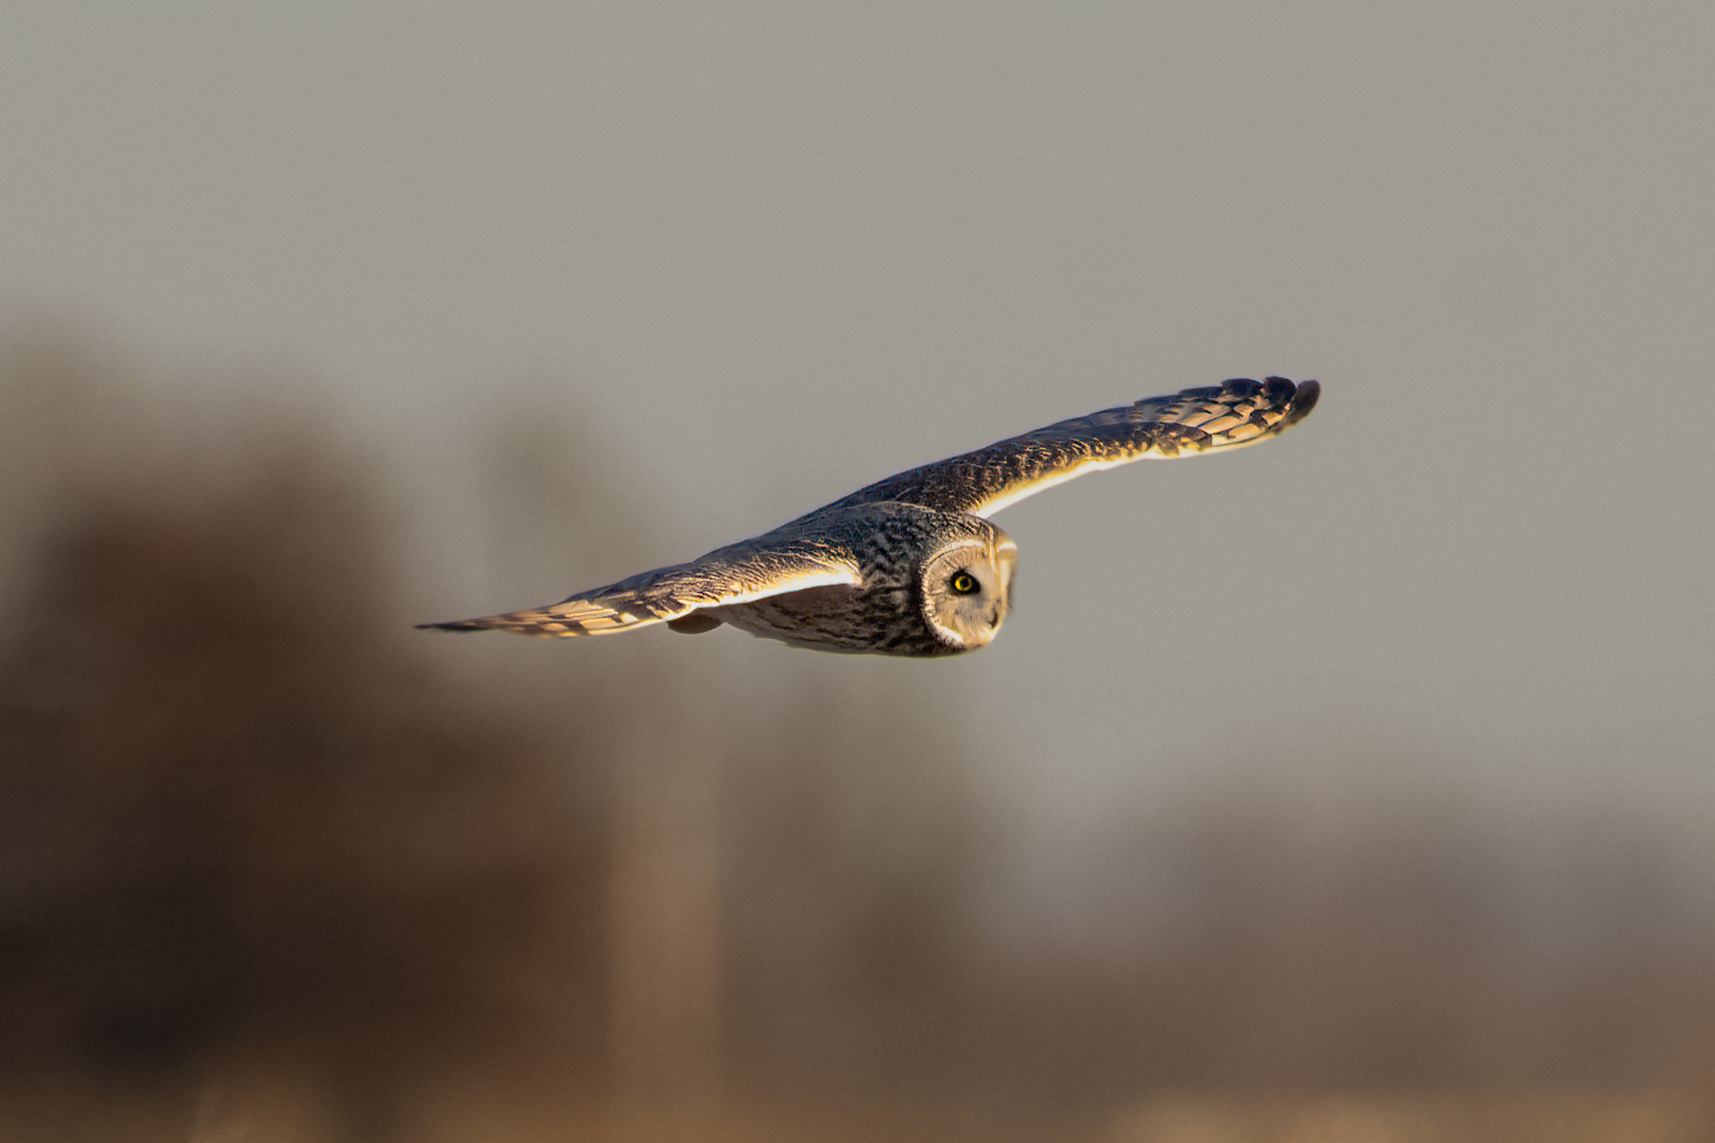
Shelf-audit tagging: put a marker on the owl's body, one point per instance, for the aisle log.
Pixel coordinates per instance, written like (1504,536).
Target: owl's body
(892,608)
(910,565)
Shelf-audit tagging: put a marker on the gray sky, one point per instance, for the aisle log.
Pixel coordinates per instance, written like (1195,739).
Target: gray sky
(769,252)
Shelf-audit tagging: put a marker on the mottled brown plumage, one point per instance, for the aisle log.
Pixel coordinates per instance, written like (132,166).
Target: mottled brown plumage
(910,565)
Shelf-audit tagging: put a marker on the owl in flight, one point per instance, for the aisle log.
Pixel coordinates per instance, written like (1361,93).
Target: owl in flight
(911,565)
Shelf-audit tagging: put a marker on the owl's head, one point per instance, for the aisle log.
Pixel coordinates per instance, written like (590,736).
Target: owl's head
(967,587)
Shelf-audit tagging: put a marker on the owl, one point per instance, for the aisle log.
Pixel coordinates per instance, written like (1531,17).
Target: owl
(911,565)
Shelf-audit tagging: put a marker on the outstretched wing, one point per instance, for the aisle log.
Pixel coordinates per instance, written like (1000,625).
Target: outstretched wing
(738,573)
(1229,415)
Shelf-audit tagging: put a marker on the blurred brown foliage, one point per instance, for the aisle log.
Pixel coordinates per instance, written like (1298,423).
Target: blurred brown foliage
(237,817)
(250,827)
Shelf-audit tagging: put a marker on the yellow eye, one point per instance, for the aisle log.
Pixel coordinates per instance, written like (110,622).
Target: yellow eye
(963,583)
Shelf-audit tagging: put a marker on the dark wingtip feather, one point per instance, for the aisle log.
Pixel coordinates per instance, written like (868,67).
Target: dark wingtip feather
(1303,401)
(454,625)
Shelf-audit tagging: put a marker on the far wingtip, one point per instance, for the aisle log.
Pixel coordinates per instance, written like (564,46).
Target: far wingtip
(1304,395)
(1303,401)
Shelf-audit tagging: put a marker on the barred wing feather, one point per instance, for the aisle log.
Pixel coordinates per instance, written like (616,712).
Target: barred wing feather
(1229,415)
(739,573)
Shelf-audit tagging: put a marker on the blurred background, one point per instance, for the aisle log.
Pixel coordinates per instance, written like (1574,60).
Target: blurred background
(1357,787)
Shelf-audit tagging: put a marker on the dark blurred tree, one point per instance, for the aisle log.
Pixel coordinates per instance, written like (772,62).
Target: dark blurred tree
(238,815)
